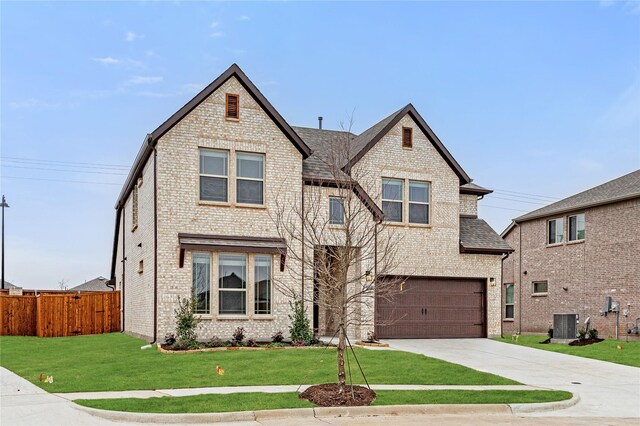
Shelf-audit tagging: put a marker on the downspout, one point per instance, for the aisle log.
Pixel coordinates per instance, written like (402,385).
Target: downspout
(155,243)
(501,293)
(303,244)
(124,259)
(519,279)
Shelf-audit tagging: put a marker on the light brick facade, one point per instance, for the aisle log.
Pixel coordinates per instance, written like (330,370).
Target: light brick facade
(579,274)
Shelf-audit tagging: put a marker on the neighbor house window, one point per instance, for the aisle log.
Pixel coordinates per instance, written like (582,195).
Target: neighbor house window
(232,284)
(392,198)
(336,211)
(576,227)
(508,301)
(250,178)
(418,202)
(407,137)
(232,108)
(540,287)
(262,277)
(214,173)
(555,231)
(201,282)
(134,208)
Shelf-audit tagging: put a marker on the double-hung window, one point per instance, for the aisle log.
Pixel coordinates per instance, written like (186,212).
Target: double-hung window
(336,211)
(576,227)
(201,282)
(249,178)
(508,301)
(392,199)
(555,231)
(262,289)
(418,202)
(214,175)
(232,288)
(540,287)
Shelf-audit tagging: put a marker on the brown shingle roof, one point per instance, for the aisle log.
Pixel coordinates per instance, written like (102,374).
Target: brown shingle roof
(476,236)
(96,284)
(472,188)
(623,188)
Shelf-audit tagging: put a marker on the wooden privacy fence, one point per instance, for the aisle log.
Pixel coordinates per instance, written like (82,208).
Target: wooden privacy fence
(59,314)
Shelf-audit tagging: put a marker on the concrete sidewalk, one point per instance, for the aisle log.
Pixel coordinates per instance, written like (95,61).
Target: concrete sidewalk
(265,389)
(605,389)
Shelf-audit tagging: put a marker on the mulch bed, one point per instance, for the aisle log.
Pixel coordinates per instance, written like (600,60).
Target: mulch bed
(328,395)
(585,342)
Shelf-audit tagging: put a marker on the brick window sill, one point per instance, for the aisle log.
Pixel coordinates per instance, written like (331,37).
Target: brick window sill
(539,294)
(508,320)
(575,242)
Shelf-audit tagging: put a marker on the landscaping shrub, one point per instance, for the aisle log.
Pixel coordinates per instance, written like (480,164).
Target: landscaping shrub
(550,333)
(170,339)
(238,335)
(214,342)
(300,329)
(252,343)
(298,342)
(278,337)
(186,323)
(593,333)
(582,334)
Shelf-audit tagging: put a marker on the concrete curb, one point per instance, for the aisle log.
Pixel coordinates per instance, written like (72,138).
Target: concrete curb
(329,412)
(545,406)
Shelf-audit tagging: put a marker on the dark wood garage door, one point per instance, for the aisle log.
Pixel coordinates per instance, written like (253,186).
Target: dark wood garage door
(433,308)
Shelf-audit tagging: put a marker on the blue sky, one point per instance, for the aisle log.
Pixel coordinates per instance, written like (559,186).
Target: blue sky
(531,98)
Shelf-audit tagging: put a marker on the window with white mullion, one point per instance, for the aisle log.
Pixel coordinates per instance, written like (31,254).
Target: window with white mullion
(555,231)
(249,178)
(262,285)
(214,175)
(392,199)
(232,284)
(418,202)
(576,227)
(201,282)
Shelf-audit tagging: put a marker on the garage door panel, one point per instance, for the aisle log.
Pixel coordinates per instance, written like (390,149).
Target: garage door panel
(433,308)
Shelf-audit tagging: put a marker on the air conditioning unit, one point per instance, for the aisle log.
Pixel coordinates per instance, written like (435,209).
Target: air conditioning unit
(565,326)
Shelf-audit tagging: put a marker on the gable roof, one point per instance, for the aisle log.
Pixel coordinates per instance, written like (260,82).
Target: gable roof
(96,284)
(7,284)
(152,138)
(477,236)
(623,188)
(367,139)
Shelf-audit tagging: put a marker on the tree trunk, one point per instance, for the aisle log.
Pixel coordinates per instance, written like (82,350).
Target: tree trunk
(342,377)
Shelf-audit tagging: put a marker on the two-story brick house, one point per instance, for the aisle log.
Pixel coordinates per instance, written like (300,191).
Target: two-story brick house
(195,219)
(570,255)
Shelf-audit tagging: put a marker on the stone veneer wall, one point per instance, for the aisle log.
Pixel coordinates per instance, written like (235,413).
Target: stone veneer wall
(180,211)
(605,263)
(430,250)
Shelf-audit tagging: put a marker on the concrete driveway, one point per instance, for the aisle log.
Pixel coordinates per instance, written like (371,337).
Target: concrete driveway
(605,389)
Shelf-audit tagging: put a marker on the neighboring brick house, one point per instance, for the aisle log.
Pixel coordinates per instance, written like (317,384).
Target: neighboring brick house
(195,218)
(570,255)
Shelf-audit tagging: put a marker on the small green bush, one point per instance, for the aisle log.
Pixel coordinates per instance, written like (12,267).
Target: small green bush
(582,334)
(238,335)
(300,330)
(593,333)
(550,332)
(186,323)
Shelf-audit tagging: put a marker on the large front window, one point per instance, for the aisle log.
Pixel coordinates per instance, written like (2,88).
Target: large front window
(262,277)
(232,284)
(214,172)
(250,178)
(201,282)
(576,227)
(555,231)
(418,202)
(392,198)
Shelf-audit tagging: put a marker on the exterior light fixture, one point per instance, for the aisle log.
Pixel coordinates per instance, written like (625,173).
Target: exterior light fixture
(492,282)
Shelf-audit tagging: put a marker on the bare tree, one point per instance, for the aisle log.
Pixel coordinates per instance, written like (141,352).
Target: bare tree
(343,246)
(62,284)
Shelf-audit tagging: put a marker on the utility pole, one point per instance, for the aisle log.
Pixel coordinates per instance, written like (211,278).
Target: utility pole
(4,204)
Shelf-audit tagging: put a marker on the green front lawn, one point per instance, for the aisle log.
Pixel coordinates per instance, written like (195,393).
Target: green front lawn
(111,362)
(606,350)
(270,401)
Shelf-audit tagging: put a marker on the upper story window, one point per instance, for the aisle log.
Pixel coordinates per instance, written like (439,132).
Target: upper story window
(233,284)
(214,175)
(555,231)
(249,178)
(576,227)
(418,202)
(407,137)
(392,199)
(336,211)
(232,107)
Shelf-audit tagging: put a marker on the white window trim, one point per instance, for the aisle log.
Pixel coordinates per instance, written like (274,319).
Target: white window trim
(237,178)
(253,279)
(509,304)
(428,203)
(336,197)
(561,219)
(211,296)
(200,149)
(569,240)
(401,202)
(245,290)
(539,293)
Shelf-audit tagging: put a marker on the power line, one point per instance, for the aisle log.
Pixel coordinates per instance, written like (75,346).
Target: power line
(60,180)
(526,193)
(68,171)
(56,164)
(65,162)
(503,208)
(518,201)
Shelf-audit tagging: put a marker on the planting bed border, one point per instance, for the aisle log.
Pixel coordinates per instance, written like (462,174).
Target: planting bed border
(373,345)
(237,348)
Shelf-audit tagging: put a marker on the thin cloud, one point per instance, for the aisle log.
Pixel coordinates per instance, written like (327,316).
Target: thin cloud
(33,103)
(192,87)
(243,18)
(217,34)
(144,80)
(131,36)
(214,24)
(107,60)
